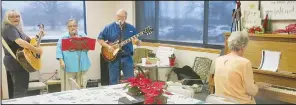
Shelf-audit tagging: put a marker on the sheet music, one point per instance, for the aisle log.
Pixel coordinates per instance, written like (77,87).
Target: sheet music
(270,60)
(163,54)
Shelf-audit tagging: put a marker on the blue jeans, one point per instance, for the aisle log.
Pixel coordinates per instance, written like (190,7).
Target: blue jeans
(127,69)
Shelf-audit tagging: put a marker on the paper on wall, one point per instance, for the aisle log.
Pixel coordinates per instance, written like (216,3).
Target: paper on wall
(163,53)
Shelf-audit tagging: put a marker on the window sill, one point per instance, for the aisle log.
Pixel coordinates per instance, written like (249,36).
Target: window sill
(179,47)
(48,44)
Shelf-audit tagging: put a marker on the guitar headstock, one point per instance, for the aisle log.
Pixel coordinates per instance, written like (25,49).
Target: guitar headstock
(41,26)
(148,30)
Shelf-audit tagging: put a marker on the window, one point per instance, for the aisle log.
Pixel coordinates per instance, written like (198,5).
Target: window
(196,23)
(219,20)
(181,21)
(53,14)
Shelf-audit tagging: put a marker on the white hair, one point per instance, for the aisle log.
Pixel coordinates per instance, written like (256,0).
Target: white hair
(72,20)
(238,40)
(7,21)
(120,10)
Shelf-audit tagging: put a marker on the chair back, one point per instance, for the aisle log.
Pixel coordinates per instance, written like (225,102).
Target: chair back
(35,76)
(74,85)
(222,52)
(220,99)
(202,67)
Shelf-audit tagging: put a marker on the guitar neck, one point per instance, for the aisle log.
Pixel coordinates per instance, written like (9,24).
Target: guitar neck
(39,41)
(130,39)
(41,26)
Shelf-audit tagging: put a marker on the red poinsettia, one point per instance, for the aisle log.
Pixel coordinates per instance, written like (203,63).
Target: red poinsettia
(255,29)
(139,80)
(144,83)
(152,91)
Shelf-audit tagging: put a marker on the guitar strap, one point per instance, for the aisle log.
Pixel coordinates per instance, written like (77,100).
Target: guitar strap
(121,33)
(8,48)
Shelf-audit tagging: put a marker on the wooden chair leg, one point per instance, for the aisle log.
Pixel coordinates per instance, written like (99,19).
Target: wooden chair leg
(211,90)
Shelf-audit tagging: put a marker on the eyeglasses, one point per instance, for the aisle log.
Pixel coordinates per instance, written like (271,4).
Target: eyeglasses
(121,16)
(14,16)
(72,26)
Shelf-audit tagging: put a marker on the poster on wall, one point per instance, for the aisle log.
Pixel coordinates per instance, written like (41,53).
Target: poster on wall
(279,10)
(251,18)
(250,5)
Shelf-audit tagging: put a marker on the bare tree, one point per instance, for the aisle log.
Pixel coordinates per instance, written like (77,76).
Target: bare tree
(47,10)
(192,7)
(52,13)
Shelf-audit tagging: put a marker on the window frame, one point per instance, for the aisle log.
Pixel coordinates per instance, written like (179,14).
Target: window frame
(205,43)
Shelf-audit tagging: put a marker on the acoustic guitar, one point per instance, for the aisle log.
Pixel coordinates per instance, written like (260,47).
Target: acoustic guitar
(111,55)
(30,60)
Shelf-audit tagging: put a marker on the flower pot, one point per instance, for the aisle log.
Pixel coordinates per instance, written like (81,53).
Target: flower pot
(163,99)
(157,100)
(172,61)
(134,91)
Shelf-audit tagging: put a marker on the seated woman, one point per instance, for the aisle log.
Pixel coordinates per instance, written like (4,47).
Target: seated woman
(69,62)
(234,74)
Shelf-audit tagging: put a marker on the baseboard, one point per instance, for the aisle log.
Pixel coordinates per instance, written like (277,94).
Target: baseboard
(99,80)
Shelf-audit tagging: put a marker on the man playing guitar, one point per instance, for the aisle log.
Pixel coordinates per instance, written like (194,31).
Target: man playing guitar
(119,30)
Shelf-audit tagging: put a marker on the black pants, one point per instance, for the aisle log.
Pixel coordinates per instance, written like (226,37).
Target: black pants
(104,71)
(10,84)
(19,76)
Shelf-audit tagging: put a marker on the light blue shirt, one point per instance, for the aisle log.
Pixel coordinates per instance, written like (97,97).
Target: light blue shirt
(71,57)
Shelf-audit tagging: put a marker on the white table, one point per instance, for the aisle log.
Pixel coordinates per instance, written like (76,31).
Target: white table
(149,66)
(97,95)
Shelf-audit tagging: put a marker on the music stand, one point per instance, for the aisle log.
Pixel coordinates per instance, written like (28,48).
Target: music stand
(79,44)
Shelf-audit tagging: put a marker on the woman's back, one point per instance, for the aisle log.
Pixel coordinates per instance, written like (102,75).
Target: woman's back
(233,77)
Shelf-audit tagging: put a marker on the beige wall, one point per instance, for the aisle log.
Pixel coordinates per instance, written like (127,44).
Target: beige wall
(4,85)
(100,13)
(183,58)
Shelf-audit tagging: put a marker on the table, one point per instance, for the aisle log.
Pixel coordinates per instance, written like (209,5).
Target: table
(154,66)
(97,95)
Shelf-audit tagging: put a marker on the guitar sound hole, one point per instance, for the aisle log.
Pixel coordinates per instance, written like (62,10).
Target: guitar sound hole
(35,55)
